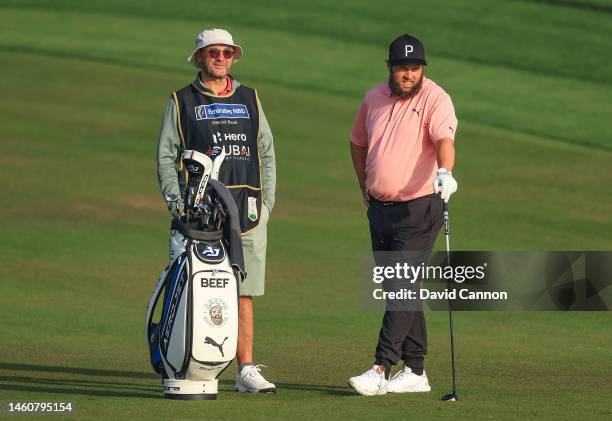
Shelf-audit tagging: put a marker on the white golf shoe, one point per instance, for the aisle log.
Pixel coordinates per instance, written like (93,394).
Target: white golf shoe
(406,381)
(370,383)
(249,379)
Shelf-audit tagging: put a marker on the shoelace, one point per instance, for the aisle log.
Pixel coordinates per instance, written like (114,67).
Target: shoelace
(401,375)
(258,368)
(256,372)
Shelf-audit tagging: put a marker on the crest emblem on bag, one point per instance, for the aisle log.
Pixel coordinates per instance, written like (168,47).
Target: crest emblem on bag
(216,315)
(215,312)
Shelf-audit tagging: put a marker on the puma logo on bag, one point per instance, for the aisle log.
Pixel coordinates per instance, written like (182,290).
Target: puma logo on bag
(210,341)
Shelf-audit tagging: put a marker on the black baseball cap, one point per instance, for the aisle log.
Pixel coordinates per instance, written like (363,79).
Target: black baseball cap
(406,50)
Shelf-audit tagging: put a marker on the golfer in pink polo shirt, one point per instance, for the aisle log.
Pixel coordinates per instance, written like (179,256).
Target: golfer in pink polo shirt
(402,146)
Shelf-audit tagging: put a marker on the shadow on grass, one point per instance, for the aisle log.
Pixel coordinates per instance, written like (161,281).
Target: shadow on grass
(79,383)
(77,370)
(325,389)
(30,382)
(62,390)
(71,385)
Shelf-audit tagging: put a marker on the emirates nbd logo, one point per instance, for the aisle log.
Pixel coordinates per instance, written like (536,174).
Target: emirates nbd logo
(214,111)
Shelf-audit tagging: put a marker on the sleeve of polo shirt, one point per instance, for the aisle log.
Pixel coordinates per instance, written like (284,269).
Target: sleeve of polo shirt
(359,134)
(442,121)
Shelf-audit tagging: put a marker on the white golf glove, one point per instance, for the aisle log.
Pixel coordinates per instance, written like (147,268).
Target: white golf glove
(445,184)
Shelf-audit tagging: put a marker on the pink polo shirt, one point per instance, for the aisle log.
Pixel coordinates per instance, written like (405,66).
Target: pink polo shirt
(400,136)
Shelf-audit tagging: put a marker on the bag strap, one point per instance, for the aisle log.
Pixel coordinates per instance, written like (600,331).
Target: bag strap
(162,283)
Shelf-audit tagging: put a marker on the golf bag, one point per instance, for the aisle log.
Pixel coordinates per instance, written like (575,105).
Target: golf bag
(195,338)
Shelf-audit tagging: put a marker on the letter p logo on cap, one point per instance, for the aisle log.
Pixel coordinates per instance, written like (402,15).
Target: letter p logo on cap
(406,49)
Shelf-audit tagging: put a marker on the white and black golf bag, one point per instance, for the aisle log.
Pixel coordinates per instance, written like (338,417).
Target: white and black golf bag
(195,338)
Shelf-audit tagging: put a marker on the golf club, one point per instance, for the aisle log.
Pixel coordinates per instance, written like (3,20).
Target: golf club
(450,397)
(198,167)
(217,161)
(172,198)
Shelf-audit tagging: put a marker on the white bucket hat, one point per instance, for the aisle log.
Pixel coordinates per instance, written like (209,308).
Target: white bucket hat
(214,36)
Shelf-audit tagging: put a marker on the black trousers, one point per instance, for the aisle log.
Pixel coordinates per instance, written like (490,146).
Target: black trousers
(404,226)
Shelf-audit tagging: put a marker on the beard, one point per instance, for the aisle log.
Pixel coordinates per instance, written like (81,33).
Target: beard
(400,92)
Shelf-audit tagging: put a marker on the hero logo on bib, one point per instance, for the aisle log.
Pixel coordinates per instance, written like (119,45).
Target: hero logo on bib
(216,110)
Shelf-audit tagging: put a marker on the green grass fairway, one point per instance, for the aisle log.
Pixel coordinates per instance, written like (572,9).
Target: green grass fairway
(84,228)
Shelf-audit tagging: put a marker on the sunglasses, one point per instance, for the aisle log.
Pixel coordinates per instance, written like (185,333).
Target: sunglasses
(214,53)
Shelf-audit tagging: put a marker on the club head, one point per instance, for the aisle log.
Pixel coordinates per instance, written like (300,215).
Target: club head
(193,168)
(218,157)
(451,397)
(196,163)
(171,197)
(217,151)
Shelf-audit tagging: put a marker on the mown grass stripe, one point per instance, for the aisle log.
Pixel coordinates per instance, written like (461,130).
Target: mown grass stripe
(296,19)
(575,4)
(334,90)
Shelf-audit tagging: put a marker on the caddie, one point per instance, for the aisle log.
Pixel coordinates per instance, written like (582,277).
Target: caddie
(216,111)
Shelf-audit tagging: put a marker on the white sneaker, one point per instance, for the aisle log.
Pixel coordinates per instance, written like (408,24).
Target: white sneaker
(406,381)
(249,379)
(370,383)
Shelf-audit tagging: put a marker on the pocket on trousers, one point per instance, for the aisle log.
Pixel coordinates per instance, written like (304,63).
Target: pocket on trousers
(436,212)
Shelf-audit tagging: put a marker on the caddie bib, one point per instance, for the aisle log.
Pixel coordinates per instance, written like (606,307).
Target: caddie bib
(207,122)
